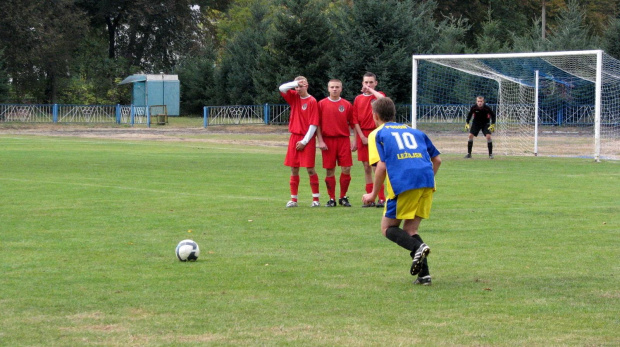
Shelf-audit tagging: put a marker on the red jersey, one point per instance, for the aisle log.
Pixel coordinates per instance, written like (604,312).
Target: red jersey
(304,112)
(362,111)
(335,117)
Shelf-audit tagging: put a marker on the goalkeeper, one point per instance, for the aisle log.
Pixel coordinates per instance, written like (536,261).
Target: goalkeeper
(483,119)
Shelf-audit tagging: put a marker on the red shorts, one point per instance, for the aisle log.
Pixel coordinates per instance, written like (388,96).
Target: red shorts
(338,149)
(303,158)
(362,149)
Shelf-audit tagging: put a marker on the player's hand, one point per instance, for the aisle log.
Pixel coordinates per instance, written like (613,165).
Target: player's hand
(368,198)
(466,126)
(492,128)
(354,146)
(322,146)
(300,146)
(364,140)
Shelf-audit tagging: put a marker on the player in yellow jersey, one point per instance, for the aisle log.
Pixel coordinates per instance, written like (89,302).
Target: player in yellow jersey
(408,161)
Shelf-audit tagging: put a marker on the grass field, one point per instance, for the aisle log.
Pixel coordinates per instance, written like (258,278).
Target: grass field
(525,251)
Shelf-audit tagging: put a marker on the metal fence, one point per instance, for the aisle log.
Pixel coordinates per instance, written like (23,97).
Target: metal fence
(274,114)
(62,113)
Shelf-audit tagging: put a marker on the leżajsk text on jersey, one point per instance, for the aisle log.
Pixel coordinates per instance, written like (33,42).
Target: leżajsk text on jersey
(407,155)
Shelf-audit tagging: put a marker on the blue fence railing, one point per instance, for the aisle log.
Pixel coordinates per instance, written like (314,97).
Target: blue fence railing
(278,114)
(64,113)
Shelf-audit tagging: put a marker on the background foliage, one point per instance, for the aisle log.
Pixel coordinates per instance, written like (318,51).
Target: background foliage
(239,51)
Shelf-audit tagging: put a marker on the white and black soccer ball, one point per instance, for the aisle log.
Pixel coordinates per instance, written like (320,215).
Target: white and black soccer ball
(187,250)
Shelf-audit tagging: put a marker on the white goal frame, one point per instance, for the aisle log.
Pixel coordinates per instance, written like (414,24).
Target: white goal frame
(598,83)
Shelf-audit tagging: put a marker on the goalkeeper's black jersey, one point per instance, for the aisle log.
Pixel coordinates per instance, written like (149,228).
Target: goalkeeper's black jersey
(482,115)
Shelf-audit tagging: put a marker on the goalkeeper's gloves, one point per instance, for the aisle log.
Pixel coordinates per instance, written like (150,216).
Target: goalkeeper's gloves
(466,126)
(492,128)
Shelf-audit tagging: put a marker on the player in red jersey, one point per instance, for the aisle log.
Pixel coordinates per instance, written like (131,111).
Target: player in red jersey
(335,121)
(362,112)
(303,122)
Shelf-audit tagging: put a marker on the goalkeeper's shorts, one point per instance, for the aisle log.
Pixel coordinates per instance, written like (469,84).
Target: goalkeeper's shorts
(410,204)
(476,128)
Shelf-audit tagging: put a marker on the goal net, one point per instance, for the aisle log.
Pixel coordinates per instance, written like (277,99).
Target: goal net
(547,103)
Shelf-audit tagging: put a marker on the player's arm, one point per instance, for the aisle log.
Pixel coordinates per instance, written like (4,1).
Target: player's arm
(436,160)
(319,137)
(301,144)
(358,131)
(493,119)
(288,85)
(471,112)
(373,92)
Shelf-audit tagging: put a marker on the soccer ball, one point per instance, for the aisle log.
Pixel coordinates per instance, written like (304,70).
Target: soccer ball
(187,250)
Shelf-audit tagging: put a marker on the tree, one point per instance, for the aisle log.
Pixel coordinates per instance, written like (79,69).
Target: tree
(238,73)
(299,43)
(380,36)
(571,32)
(452,33)
(196,75)
(4,80)
(39,39)
(530,41)
(492,39)
(611,38)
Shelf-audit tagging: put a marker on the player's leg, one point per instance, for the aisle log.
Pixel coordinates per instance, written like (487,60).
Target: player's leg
(362,155)
(314,186)
(489,144)
(292,160)
(381,195)
(345,180)
(470,145)
(345,160)
(294,184)
(308,155)
(330,182)
(329,164)
(413,206)
(421,252)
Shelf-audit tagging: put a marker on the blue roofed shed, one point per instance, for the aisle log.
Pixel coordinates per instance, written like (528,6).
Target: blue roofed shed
(150,90)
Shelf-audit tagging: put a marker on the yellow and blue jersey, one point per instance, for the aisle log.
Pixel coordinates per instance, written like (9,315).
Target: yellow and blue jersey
(407,155)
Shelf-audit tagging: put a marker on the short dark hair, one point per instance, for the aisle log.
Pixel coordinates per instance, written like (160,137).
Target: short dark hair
(370,74)
(385,109)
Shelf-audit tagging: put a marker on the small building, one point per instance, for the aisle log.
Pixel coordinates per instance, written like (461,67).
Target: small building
(150,90)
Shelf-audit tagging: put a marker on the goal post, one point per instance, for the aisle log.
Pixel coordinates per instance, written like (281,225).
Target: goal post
(547,102)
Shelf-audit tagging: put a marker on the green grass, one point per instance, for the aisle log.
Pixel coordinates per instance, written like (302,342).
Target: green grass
(524,251)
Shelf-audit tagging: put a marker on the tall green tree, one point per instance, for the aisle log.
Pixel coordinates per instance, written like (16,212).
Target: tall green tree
(492,38)
(611,38)
(196,76)
(452,33)
(299,43)
(571,31)
(239,71)
(4,80)
(531,40)
(380,36)
(151,35)
(39,40)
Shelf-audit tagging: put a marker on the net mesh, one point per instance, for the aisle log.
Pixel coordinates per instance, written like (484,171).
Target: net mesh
(447,87)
